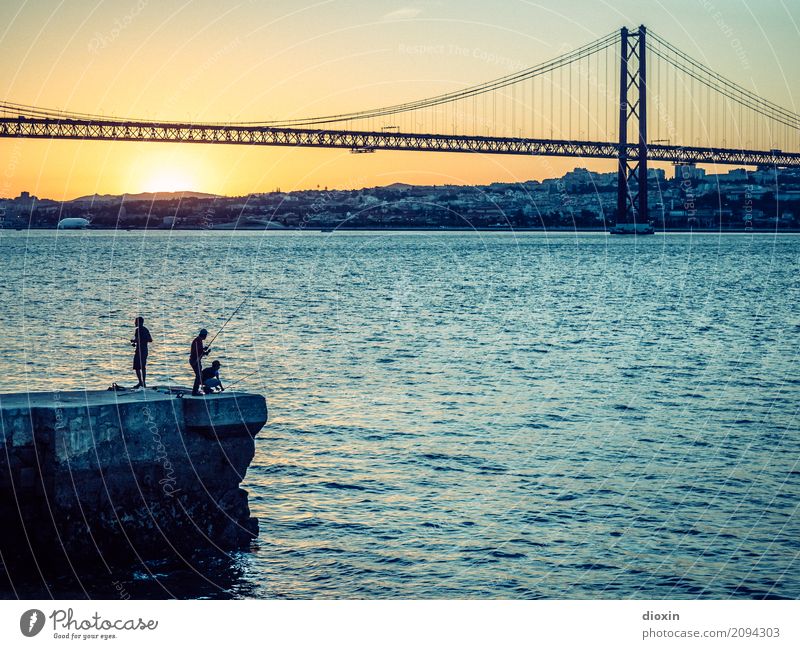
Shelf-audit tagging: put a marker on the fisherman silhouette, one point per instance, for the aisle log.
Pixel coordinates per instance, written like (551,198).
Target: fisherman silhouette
(211,380)
(196,360)
(141,339)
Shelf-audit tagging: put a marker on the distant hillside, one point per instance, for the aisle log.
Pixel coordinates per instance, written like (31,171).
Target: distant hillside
(398,186)
(142,196)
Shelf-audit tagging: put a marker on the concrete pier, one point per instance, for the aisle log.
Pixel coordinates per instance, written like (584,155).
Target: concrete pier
(101,476)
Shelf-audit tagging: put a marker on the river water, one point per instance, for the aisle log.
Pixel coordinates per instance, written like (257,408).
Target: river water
(460,414)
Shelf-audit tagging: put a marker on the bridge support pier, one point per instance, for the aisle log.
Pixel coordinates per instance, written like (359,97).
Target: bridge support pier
(632,209)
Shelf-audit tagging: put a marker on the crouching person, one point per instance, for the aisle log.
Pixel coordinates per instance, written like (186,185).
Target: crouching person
(211,380)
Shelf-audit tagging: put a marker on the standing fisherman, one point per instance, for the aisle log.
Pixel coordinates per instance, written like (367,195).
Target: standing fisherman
(196,360)
(198,351)
(141,339)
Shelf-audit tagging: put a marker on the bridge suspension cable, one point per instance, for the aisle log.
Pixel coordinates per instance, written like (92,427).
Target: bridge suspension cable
(438,100)
(715,81)
(709,109)
(466,93)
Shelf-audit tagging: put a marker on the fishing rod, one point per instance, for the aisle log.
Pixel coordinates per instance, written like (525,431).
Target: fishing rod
(208,346)
(243,378)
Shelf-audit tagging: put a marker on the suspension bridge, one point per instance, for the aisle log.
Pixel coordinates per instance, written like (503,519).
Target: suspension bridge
(629,96)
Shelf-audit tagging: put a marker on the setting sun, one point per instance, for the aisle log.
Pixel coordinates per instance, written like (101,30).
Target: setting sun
(163,168)
(169,179)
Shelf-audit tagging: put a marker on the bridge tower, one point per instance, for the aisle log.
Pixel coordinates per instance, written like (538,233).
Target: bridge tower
(632,213)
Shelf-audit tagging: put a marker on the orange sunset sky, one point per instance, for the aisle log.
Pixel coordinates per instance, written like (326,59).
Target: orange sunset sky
(254,60)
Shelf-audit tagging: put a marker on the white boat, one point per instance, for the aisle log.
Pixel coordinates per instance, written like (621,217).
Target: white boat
(73,223)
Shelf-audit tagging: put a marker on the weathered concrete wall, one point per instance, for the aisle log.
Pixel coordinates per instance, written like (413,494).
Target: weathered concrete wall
(104,476)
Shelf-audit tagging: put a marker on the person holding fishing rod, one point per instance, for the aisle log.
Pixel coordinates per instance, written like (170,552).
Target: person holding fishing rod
(199,350)
(196,353)
(141,339)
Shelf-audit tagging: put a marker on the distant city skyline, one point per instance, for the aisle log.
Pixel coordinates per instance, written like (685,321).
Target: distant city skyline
(667,171)
(256,61)
(738,200)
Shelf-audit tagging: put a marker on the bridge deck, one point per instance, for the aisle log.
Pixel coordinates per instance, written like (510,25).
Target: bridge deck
(25,127)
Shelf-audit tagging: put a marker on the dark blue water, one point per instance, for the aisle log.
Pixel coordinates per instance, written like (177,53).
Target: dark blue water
(461,414)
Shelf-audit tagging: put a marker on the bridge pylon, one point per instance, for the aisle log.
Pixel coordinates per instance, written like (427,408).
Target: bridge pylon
(632,212)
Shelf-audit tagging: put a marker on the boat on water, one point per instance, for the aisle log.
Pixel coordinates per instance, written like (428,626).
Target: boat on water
(73,223)
(632,228)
